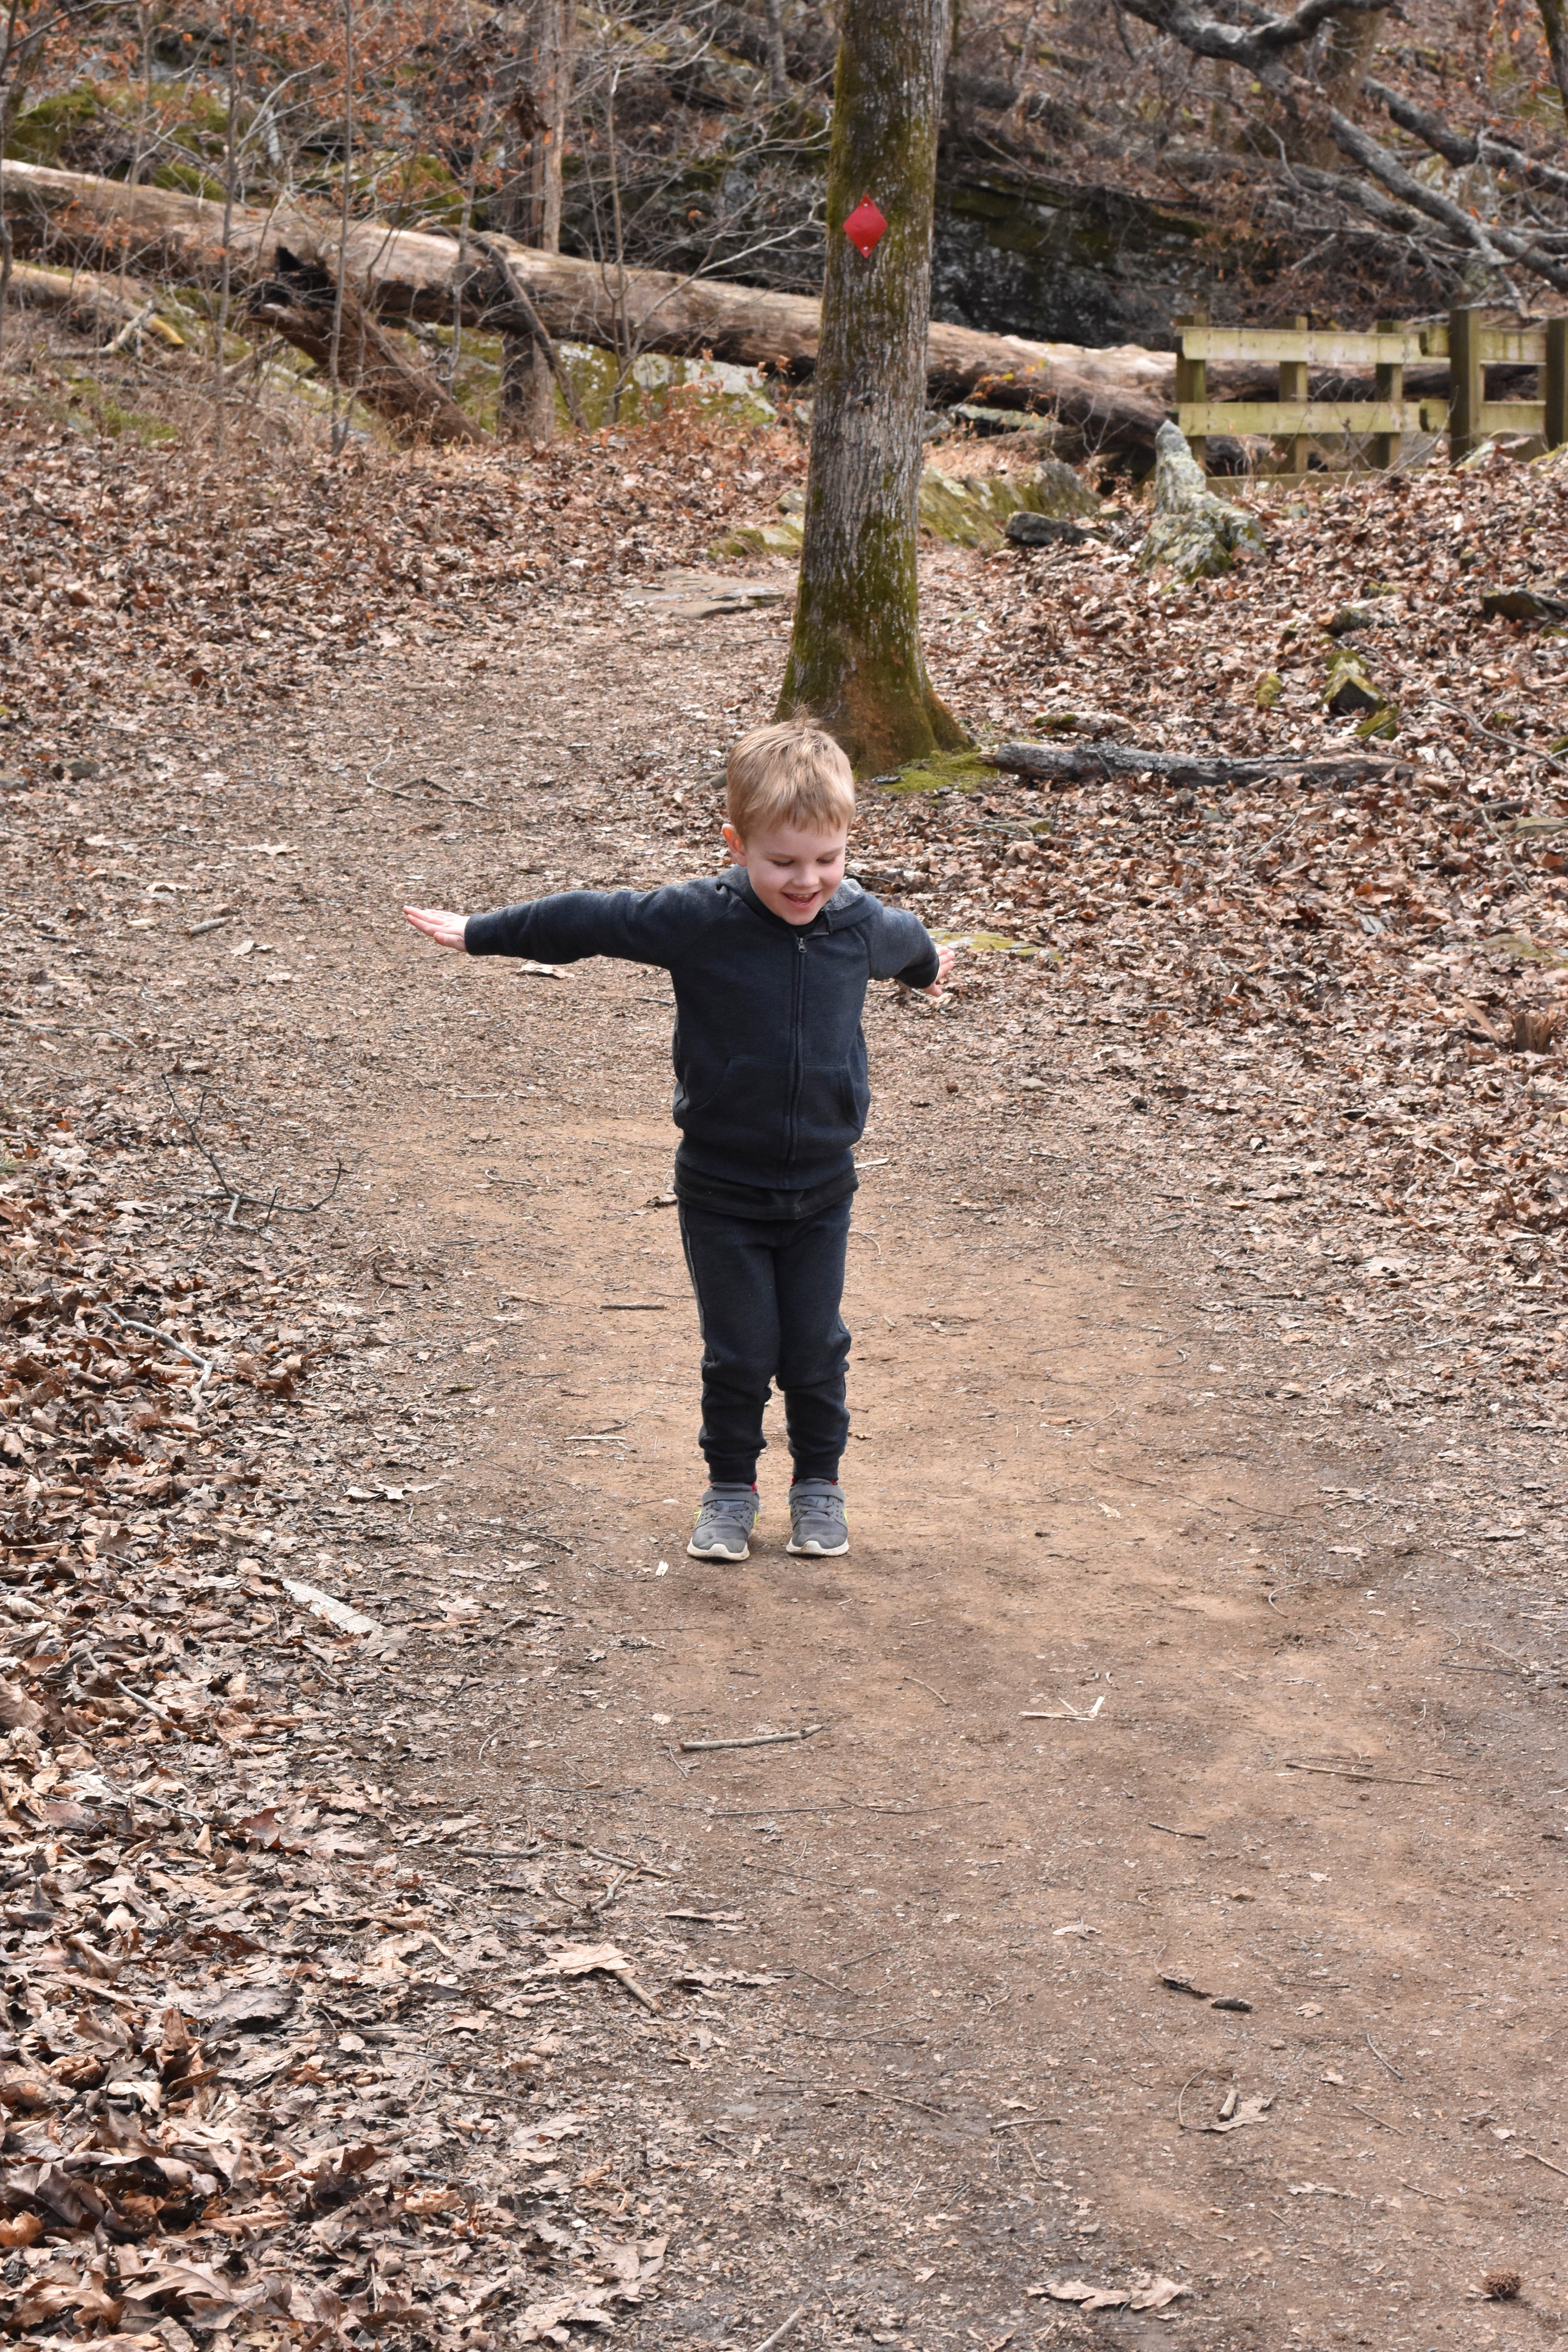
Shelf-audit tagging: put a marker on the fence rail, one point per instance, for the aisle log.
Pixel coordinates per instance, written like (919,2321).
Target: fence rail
(1467,416)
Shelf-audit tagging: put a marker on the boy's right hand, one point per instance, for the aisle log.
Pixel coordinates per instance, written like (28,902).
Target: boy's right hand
(445,930)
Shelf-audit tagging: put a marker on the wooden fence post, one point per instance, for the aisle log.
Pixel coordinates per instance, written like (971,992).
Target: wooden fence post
(1192,382)
(1390,386)
(1556,385)
(1293,386)
(1467,384)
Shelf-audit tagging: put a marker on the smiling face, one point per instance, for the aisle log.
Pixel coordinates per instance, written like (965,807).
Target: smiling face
(793,869)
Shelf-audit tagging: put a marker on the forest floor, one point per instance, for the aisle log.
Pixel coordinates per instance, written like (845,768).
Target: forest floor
(1186,1719)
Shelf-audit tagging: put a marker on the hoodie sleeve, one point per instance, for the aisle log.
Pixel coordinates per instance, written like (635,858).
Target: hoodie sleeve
(639,926)
(901,947)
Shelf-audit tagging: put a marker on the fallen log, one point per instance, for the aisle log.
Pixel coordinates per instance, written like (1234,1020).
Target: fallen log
(90,302)
(1093,763)
(298,303)
(416,274)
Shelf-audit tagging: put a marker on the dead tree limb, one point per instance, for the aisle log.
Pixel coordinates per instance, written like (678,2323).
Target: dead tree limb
(329,324)
(237,1197)
(1493,242)
(1084,764)
(90,302)
(517,300)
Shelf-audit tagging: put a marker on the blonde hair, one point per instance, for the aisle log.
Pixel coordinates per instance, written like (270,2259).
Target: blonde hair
(792,772)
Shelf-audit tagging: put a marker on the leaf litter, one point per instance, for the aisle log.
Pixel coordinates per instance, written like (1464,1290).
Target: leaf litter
(223,1978)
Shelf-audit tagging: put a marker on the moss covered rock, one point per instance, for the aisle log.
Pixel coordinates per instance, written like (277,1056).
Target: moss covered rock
(962,509)
(1350,689)
(973,510)
(1194,533)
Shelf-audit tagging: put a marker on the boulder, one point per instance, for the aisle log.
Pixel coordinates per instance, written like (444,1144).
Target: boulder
(1194,533)
(1027,529)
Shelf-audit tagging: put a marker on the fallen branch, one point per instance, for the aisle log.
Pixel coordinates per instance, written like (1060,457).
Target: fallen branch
(300,302)
(760,1739)
(517,299)
(1082,763)
(90,302)
(151,1331)
(231,1192)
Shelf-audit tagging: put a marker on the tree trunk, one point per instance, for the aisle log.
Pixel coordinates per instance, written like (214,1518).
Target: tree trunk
(527,390)
(854,658)
(410,273)
(1554,18)
(778,64)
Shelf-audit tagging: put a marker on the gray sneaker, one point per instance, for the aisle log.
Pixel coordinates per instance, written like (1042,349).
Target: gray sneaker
(725,1517)
(818,1523)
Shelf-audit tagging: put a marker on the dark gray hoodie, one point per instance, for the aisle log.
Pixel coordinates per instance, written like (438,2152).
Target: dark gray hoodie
(770,1058)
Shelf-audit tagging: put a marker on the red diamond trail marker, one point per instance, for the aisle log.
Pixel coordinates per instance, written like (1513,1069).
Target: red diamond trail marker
(866,227)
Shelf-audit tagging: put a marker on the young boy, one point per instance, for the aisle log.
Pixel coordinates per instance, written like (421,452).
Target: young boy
(769,962)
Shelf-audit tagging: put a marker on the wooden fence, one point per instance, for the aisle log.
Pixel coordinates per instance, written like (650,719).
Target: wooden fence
(1294,420)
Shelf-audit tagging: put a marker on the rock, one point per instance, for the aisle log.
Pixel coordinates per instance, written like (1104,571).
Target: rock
(1522,604)
(1025,529)
(1376,614)
(1350,686)
(758,539)
(1268,689)
(963,509)
(1379,725)
(974,510)
(1194,533)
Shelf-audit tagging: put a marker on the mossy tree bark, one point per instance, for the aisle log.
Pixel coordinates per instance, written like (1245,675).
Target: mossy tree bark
(855,655)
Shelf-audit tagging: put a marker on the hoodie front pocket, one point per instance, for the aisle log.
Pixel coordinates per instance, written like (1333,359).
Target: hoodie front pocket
(746,1114)
(832,1112)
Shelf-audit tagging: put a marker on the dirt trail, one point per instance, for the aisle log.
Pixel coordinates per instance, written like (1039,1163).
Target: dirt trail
(1116,1684)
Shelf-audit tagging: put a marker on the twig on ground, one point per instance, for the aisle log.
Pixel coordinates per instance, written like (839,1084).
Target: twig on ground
(1171,1832)
(782,2329)
(231,1192)
(621,1861)
(1381,2120)
(1383,2061)
(928,1687)
(151,1331)
(758,1740)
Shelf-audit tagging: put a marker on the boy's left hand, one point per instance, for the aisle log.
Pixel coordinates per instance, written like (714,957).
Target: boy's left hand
(946,957)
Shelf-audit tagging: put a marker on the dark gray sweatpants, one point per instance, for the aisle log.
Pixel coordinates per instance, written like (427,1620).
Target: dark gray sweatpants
(768,1292)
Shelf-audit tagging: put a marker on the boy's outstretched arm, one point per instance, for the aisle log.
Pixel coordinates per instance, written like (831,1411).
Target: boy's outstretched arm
(445,930)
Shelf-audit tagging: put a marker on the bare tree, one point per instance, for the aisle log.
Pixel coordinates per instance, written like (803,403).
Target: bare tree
(854,654)
(25,33)
(539,105)
(334,363)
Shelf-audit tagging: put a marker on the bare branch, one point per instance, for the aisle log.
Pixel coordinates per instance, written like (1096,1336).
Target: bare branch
(1464,148)
(517,294)
(1492,244)
(1257,48)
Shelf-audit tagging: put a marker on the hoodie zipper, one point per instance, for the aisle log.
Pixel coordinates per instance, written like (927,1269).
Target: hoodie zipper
(796,1023)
